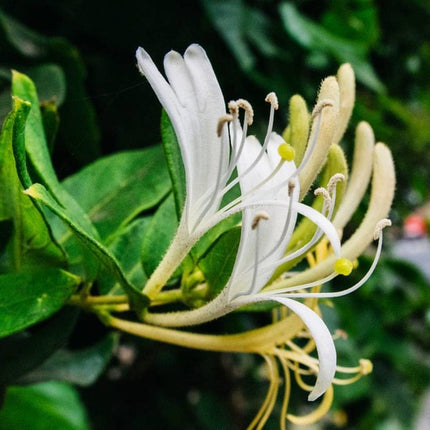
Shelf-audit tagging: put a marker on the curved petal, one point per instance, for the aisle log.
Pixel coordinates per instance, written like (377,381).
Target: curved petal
(194,102)
(323,341)
(267,242)
(322,222)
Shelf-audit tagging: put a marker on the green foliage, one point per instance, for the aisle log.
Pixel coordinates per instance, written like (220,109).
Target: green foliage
(31,296)
(47,405)
(81,367)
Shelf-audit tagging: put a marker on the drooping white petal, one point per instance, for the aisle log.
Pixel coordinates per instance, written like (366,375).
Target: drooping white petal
(322,222)
(323,341)
(194,103)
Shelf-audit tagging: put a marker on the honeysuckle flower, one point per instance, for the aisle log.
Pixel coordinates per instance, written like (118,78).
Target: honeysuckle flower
(214,144)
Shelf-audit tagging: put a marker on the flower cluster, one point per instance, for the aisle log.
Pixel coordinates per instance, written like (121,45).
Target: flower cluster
(273,176)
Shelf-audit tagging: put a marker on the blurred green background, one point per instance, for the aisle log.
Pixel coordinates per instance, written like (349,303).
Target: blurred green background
(81,56)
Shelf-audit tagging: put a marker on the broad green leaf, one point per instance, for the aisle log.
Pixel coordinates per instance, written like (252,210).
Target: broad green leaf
(159,234)
(40,193)
(127,248)
(218,262)
(32,296)
(81,367)
(45,406)
(122,185)
(31,151)
(24,351)
(31,242)
(174,162)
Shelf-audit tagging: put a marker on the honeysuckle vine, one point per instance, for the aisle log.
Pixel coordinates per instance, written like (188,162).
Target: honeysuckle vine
(277,228)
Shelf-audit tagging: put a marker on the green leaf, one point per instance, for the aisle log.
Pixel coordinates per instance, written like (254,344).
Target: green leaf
(122,186)
(45,406)
(127,248)
(32,296)
(22,352)
(29,140)
(218,262)
(51,122)
(39,193)
(159,234)
(32,242)
(81,367)
(229,18)
(50,82)
(174,162)
(315,37)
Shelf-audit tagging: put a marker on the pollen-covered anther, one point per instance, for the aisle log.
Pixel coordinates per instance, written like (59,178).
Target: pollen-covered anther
(321,191)
(366,366)
(273,100)
(258,217)
(343,266)
(380,226)
(249,111)
(286,151)
(338,177)
(320,106)
(233,108)
(221,122)
(291,186)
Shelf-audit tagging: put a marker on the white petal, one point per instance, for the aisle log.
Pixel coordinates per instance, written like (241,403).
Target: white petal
(266,244)
(322,222)
(323,341)
(194,102)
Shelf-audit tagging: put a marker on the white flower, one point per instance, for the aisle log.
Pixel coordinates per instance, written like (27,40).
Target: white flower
(213,145)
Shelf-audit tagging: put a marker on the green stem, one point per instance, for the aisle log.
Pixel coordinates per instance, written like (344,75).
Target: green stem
(258,341)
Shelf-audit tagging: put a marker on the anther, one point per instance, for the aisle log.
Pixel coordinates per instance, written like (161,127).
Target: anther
(291,186)
(366,366)
(286,151)
(321,191)
(258,217)
(320,106)
(233,108)
(221,122)
(273,100)
(246,106)
(338,177)
(343,266)
(380,226)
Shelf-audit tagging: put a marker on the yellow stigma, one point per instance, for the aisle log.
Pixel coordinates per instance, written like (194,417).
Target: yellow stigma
(343,266)
(286,151)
